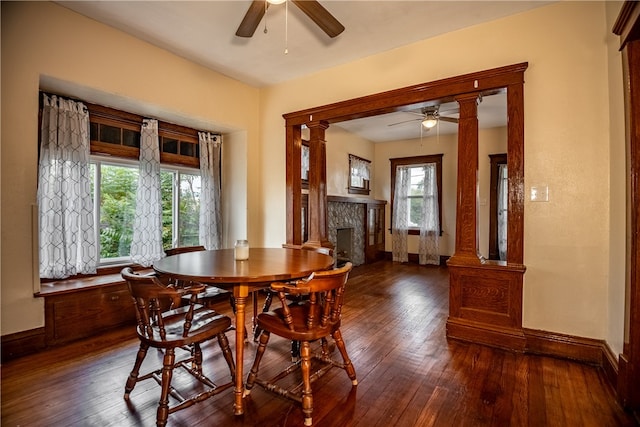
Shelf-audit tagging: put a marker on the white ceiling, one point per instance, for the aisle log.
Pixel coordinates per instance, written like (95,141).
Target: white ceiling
(204,32)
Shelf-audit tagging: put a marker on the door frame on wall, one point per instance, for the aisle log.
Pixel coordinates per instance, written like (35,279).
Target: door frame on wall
(627,27)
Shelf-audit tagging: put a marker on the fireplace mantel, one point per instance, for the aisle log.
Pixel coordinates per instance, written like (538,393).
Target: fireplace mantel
(347,199)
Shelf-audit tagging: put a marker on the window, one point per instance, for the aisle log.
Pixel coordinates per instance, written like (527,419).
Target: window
(117,134)
(114,193)
(359,175)
(416,170)
(498,207)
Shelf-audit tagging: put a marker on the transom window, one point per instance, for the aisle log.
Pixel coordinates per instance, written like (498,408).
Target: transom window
(117,133)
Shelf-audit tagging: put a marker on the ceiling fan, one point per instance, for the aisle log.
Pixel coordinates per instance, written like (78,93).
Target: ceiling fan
(311,8)
(429,117)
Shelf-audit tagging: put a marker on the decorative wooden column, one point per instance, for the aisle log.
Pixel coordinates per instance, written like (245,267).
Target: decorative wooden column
(467,204)
(485,297)
(318,225)
(293,184)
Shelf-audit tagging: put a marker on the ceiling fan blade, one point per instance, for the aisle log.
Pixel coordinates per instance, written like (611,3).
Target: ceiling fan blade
(406,121)
(448,119)
(252,18)
(320,16)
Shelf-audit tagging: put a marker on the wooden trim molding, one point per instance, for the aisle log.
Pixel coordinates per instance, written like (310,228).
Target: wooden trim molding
(627,27)
(585,350)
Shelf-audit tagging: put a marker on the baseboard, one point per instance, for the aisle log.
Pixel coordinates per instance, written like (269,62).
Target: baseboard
(22,343)
(415,258)
(610,365)
(585,350)
(511,339)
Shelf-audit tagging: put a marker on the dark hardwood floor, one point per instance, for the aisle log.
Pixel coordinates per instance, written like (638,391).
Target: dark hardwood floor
(409,374)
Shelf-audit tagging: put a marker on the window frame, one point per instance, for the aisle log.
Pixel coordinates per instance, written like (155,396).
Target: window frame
(417,161)
(364,190)
(124,155)
(176,171)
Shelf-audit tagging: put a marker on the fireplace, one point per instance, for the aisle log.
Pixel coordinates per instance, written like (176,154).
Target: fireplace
(344,245)
(346,231)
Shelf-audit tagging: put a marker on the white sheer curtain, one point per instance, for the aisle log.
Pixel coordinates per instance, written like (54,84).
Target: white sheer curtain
(304,166)
(67,234)
(359,171)
(146,243)
(400,226)
(210,206)
(429,248)
(502,211)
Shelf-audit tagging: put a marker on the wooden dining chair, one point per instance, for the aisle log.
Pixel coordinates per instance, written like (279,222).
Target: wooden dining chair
(184,329)
(315,319)
(211,294)
(268,299)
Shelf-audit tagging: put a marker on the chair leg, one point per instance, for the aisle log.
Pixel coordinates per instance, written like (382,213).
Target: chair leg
(223,341)
(167,373)
(196,352)
(295,351)
(253,374)
(348,366)
(307,396)
(133,376)
(265,308)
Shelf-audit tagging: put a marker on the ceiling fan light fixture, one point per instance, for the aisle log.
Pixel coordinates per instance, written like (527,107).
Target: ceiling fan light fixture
(276,1)
(430,121)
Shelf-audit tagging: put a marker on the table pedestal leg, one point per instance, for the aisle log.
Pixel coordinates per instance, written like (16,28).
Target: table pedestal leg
(241,302)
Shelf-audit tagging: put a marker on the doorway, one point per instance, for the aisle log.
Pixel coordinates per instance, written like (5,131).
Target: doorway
(500,321)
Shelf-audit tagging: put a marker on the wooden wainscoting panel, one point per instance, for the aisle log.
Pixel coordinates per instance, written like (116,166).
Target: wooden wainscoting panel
(485,304)
(486,294)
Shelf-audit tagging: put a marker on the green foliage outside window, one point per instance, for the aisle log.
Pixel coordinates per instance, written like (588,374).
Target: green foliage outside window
(189,210)
(415,196)
(117,208)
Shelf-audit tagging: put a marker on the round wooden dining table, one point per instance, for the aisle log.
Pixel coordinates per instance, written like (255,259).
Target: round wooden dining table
(264,266)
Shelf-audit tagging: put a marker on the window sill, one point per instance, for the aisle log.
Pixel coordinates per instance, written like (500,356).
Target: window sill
(105,277)
(358,190)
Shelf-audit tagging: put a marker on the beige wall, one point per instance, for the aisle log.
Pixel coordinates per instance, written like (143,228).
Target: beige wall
(340,144)
(43,43)
(573,251)
(567,146)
